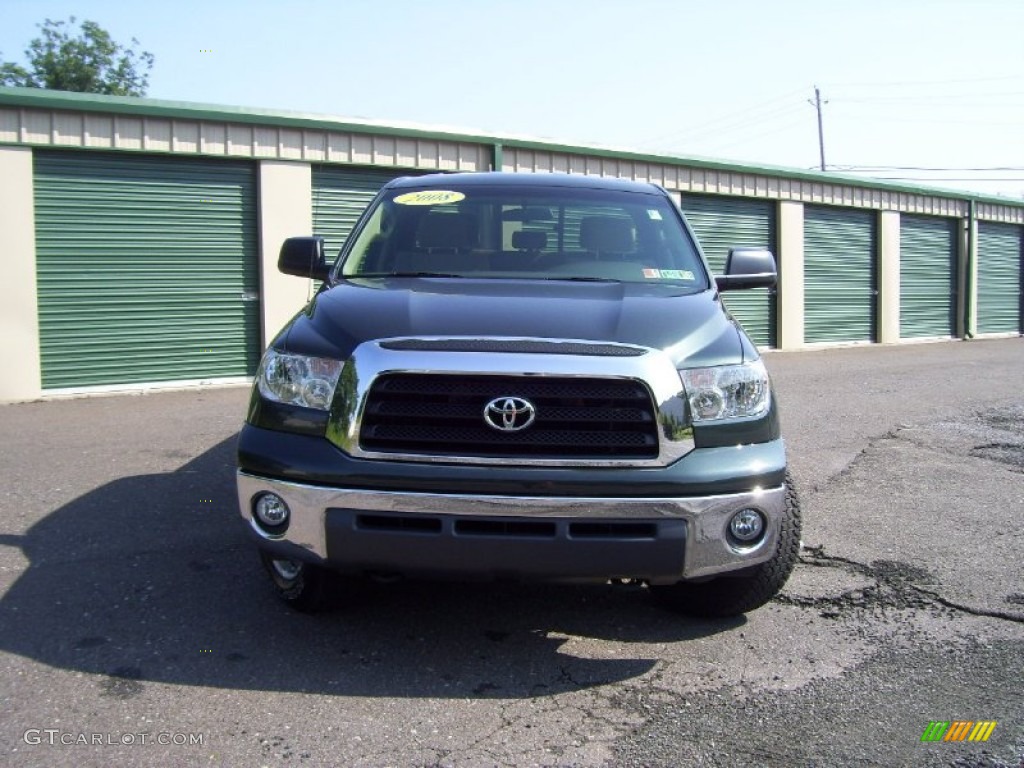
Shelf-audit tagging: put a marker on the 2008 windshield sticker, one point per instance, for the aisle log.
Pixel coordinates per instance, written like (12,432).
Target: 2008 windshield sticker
(430,197)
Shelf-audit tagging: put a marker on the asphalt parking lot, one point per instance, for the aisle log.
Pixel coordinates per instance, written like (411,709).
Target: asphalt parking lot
(135,617)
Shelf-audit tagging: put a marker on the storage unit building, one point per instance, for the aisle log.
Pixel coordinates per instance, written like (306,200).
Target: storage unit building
(720,223)
(840,274)
(340,195)
(140,237)
(928,278)
(999,278)
(146,268)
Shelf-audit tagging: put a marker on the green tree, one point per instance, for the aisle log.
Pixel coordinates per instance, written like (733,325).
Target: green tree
(89,62)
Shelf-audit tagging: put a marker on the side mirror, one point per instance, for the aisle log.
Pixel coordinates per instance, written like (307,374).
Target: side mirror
(748,268)
(303,257)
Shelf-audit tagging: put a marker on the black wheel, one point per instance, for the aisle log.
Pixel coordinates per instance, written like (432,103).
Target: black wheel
(733,595)
(303,586)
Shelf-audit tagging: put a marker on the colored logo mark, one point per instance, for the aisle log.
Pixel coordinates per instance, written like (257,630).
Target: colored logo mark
(958,730)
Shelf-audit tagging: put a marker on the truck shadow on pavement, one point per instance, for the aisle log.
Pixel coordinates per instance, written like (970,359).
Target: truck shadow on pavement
(151,579)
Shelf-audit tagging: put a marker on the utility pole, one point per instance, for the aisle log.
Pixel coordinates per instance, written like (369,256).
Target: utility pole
(821,133)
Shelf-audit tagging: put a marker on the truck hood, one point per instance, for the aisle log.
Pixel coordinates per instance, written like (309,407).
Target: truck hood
(691,328)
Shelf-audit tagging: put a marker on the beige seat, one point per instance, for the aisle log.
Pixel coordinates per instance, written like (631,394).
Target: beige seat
(444,243)
(612,252)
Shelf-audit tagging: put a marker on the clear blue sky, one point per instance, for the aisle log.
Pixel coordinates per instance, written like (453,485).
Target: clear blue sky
(918,84)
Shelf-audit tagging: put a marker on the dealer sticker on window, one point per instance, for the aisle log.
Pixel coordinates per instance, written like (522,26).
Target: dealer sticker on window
(677,274)
(430,197)
(668,274)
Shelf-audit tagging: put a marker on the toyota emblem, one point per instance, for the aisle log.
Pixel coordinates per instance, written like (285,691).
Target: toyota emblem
(509,414)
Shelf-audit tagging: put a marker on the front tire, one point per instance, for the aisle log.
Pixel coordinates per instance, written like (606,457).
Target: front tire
(733,595)
(304,586)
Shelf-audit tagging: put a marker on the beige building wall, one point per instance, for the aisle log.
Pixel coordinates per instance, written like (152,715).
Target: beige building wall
(791,275)
(970,288)
(286,210)
(888,277)
(19,311)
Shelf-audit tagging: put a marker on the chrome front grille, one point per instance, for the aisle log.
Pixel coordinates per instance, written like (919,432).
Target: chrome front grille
(577,418)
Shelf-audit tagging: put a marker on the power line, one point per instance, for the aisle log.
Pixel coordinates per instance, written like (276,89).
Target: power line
(753,111)
(745,112)
(885,118)
(900,84)
(742,125)
(747,139)
(952,99)
(738,132)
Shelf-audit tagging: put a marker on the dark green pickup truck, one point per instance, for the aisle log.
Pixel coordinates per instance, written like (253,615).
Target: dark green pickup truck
(519,376)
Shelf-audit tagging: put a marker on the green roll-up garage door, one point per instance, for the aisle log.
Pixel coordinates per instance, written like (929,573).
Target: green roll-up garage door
(147,268)
(340,195)
(927,276)
(839,274)
(722,223)
(999,278)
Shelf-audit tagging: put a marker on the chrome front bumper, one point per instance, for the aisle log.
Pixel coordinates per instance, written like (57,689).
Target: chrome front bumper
(706,551)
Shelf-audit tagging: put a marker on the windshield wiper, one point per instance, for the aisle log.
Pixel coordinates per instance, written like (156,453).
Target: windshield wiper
(401,274)
(581,279)
(572,278)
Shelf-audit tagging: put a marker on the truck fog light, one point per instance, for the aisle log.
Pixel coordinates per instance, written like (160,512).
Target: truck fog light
(271,512)
(746,526)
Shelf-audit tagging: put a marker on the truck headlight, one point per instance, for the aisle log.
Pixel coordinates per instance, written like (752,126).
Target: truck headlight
(727,391)
(298,380)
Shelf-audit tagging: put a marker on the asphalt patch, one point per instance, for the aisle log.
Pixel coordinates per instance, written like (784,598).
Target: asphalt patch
(892,586)
(1005,453)
(872,715)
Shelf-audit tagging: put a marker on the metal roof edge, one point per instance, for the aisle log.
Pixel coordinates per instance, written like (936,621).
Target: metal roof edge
(145,107)
(132,105)
(788,172)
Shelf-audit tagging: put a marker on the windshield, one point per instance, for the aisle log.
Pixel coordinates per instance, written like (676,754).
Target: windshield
(561,233)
